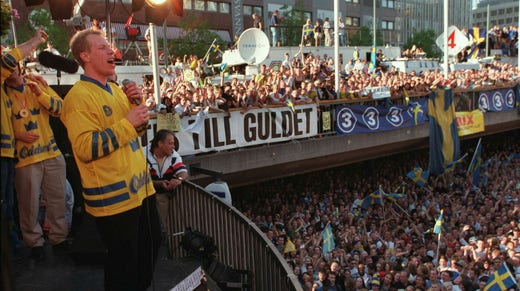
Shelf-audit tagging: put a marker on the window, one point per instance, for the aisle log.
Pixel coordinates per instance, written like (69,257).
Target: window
(224,7)
(387,25)
(501,21)
(478,15)
(501,11)
(352,1)
(509,10)
(494,13)
(199,5)
(352,21)
(388,3)
(247,10)
(212,6)
(259,10)
(187,4)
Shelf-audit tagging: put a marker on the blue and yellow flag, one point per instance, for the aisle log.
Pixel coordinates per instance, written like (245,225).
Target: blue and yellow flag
(476,163)
(328,239)
(372,199)
(451,166)
(419,176)
(373,59)
(502,279)
(444,139)
(394,196)
(439,223)
(290,104)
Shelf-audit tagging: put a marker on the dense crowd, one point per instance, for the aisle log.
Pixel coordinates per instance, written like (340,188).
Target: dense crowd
(187,85)
(392,246)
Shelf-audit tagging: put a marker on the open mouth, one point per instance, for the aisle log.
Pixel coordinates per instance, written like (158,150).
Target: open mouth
(111,61)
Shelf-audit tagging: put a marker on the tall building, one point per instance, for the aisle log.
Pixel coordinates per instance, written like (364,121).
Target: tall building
(501,12)
(420,15)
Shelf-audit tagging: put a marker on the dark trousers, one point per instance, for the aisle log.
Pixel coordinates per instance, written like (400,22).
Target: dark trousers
(132,239)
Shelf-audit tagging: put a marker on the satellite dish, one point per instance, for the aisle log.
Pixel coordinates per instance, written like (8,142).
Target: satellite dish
(253,46)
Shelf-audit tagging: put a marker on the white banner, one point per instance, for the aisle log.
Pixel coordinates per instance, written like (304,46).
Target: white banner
(219,131)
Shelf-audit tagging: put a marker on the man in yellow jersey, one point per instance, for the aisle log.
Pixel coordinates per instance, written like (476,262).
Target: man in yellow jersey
(9,63)
(104,125)
(40,166)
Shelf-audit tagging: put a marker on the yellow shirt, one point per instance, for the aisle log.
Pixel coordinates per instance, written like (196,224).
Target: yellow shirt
(106,148)
(7,144)
(38,109)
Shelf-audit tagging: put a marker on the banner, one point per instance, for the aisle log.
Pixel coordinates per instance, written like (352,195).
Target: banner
(497,100)
(170,121)
(469,122)
(444,139)
(218,131)
(362,118)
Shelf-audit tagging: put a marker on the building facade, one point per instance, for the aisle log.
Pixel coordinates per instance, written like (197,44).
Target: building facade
(503,13)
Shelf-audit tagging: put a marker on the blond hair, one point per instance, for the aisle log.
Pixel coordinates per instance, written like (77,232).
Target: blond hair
(79,43)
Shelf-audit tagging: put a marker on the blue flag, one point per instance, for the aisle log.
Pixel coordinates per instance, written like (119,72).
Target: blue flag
(451,166)
(444,138)
(394,196)
(439,223)
(500,280)
(419,176)
(373,58)
(372,199)
(328,239)
(476,163)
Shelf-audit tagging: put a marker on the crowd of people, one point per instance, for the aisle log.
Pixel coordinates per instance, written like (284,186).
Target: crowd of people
(392,246)
(187,87)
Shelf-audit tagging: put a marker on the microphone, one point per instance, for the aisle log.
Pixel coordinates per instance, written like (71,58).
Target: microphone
(125,83)
(50,60)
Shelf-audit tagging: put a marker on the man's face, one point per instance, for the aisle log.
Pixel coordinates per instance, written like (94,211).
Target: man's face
(168,145)
(99,60)
(16,78)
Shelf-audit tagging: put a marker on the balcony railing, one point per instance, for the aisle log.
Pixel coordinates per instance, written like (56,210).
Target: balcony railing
(240,243)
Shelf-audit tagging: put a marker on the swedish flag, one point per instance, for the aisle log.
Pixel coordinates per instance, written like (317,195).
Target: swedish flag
(372,199)
(444,139)
(439,223)
(500,280)
(454,164)
(328,239)
(419,176)
(394,196)
(476,163)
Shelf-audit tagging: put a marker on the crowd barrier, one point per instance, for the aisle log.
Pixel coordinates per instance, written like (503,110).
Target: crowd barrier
(213,132)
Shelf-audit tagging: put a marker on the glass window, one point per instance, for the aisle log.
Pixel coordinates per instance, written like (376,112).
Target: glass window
(259,10)
(212,6)
(199,5)
(187,4)
(352,1)
(501,11)
(224,7)
(510,10)
(355,21)
(387,3)
(348,20)
(247,10)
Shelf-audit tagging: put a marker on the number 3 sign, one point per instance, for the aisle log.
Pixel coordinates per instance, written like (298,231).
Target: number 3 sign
(457,41)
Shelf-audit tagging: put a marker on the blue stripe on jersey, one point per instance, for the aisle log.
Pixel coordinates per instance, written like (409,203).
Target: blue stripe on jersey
(105,189)
(108,201)
(112,138)
(95,137)
(104,142)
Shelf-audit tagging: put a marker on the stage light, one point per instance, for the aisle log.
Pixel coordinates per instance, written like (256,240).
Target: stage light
(155,3)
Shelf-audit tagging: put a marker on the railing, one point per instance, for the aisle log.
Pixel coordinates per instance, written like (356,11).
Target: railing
(240,243)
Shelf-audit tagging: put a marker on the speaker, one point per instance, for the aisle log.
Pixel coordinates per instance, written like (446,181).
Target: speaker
(60,9)
(156,15)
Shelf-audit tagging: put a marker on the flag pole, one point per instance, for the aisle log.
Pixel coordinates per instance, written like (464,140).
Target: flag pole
(439,238)
(209,49)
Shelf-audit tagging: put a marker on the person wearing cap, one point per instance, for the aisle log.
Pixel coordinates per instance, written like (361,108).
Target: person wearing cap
(166,169)
(376,284)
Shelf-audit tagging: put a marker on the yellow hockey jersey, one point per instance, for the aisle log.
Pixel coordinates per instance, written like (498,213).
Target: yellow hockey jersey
(38,109)
(8,65)
(106,147)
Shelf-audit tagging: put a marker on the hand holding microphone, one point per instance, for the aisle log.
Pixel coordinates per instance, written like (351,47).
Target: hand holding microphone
(132,91)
